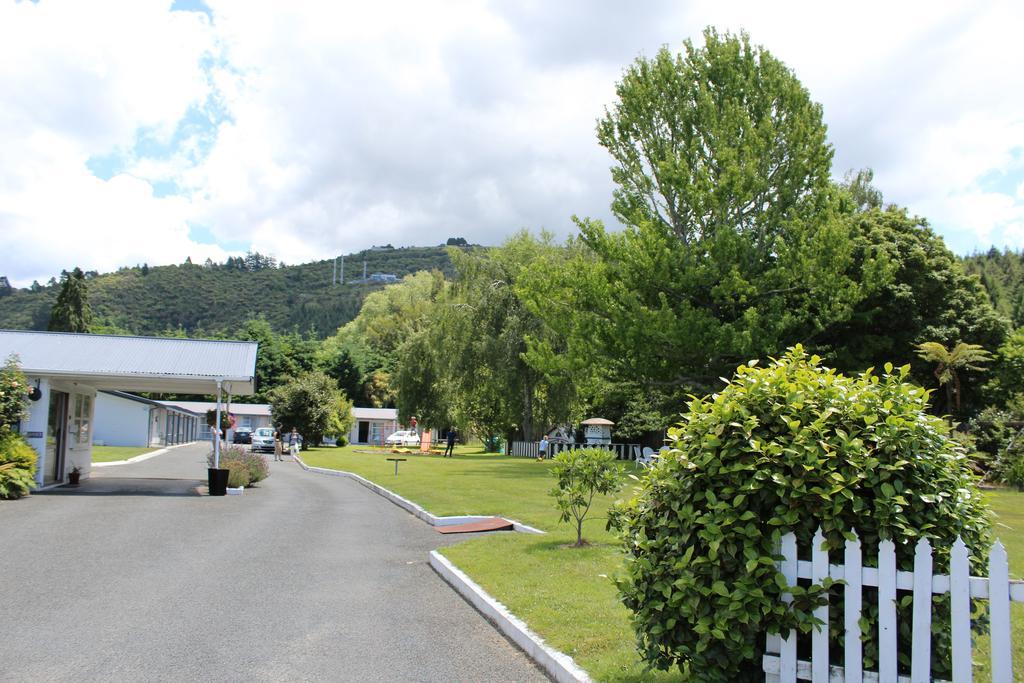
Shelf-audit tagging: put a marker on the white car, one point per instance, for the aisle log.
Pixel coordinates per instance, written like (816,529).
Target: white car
(403,438)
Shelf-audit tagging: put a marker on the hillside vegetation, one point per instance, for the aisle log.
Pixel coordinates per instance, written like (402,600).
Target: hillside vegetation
(216,299)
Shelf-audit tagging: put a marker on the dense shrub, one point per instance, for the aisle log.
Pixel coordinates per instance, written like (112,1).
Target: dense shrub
(238,473)
(13,393)
(246,467)
(17,465)
(787,447)
(999,438)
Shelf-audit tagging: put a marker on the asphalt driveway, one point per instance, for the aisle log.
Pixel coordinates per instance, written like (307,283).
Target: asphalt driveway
(134,577)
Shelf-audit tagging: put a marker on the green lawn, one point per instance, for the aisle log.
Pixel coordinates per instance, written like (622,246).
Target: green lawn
(1009,528)
(114,453)
(563,593)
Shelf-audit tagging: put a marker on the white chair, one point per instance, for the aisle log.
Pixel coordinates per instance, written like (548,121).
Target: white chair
(636,453)
(648,457)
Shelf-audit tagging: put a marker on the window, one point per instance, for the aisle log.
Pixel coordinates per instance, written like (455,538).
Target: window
(80,419)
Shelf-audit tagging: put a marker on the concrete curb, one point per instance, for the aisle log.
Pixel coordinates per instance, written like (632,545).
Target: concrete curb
(411,507)
(558,665)
(140,458)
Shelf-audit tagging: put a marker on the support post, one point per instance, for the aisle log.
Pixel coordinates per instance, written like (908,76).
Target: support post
(216,432)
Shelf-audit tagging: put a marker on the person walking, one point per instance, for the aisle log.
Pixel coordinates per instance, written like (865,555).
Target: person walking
(452,435)
(278,446)
(293,443)
(542,449)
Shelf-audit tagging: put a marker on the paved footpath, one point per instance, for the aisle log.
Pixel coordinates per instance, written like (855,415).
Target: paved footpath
(134,577)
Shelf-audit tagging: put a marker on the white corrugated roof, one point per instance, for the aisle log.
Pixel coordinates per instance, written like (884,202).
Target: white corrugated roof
(255,409)
(375,413)
(134,363)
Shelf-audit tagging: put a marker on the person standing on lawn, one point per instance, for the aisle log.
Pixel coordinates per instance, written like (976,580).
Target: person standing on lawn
(293,442)
(452,435)
(542,450)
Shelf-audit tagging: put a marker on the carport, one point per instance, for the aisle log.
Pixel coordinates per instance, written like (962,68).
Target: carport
(68,369)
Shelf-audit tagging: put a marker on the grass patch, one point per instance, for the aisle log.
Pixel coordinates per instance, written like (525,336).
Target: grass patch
(1009,528)
(114,453)
(566,594)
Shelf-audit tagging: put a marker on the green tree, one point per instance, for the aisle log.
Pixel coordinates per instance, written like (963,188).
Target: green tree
(862,193)
(948,365)
(582,474)
(280,357)
(310,403)
(486,333)
(340,364)
(721,138)
(1007,373)
(71,312)
(734,246)
(341,420)
(919,292)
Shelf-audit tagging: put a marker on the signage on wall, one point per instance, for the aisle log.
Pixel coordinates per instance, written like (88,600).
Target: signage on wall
(33,435)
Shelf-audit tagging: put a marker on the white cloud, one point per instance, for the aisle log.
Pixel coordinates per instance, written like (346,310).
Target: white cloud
(351,124)
(79,80)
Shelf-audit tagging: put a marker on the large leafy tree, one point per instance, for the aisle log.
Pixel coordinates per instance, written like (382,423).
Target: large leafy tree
(71,311)
(472,366)
(721,138)
(370,343)
(733,246)
(311,403)
(281,356)
(922,294)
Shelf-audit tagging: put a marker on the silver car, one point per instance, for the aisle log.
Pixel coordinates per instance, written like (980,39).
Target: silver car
(263,440)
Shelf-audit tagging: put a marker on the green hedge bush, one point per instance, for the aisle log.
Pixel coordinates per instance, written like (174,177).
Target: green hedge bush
(790,446)
(17,465)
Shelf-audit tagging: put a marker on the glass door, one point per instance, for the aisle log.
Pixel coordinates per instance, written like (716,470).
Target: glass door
(56,437)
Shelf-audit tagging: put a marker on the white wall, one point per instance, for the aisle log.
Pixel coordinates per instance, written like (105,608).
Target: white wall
(120,421)
(36,424)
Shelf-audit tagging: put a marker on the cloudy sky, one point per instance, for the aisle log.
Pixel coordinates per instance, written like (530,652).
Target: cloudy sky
(149,131)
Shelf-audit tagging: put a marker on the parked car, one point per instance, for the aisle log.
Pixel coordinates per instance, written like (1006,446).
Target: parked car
(263,440)
(242,435)
(403,438)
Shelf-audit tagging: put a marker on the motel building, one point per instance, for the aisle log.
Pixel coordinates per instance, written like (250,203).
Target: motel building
(69,369)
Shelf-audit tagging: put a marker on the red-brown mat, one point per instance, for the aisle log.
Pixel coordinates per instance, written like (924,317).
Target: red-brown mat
(492,524)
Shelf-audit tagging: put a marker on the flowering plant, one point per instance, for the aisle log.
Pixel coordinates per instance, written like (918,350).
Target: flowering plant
(227,420)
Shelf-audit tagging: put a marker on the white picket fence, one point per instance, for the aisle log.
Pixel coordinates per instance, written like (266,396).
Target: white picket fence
(780,661)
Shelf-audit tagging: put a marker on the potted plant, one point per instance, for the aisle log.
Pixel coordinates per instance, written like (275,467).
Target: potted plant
(217,476)
(74,475)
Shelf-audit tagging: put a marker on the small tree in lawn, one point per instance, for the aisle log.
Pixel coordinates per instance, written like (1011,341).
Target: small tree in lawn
(582,474)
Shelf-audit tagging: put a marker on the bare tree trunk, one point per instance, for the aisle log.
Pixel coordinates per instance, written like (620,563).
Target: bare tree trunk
(527,413)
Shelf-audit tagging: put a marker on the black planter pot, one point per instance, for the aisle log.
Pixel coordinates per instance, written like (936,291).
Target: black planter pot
(74,478)
(218,481)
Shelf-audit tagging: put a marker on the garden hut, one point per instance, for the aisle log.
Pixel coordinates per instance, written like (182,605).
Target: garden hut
(597,430)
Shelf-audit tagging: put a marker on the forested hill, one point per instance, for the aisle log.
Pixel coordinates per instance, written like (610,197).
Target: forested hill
(1002,273)
(215,299)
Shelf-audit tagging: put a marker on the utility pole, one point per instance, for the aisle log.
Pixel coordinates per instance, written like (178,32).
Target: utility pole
(364,270)
(342,269)
(334,276)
